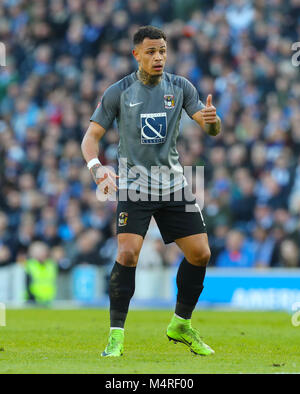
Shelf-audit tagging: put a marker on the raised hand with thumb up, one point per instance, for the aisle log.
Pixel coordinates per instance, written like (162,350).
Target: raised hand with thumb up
(209,113)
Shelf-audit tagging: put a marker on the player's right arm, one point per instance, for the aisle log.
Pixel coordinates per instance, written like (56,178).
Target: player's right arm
(90,142)
(90,150)
(101,120)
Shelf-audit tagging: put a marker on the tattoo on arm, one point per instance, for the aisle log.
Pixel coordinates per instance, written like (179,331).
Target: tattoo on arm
(94,171)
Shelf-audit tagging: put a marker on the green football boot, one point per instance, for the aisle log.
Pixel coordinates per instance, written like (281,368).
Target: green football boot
(115,344)
(180,330)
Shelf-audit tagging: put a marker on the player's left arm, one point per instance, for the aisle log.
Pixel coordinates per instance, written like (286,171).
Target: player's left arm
(208,119)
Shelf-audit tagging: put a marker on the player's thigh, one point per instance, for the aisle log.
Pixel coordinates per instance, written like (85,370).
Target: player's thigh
(129,247)
(195,249)
(133,220)
(176,221)
(133,217)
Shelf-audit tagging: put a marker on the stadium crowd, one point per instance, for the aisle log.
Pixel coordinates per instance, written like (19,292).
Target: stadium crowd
(63,54)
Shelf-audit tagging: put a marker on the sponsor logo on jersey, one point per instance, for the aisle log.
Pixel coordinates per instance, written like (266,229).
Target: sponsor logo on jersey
(153,128)
(169,101)
(123,217)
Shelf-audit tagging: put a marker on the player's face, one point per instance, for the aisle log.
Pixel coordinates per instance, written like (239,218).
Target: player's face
(151,55)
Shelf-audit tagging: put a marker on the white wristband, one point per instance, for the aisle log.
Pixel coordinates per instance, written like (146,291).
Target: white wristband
(92,162)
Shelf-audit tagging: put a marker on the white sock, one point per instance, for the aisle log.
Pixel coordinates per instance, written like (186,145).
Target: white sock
(179,317)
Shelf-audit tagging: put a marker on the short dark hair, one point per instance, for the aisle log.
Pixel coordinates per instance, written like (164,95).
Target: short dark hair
(148,32)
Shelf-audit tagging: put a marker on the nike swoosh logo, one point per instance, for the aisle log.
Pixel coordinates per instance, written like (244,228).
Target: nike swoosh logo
(134,104)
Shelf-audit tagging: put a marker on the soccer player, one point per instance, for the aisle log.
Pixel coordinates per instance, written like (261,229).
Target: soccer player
(147,105)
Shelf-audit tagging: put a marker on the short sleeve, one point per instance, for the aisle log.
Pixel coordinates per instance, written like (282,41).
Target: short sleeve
(191,101)
(107,108)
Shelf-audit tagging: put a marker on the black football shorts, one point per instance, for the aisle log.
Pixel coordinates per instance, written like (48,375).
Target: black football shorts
(174,218)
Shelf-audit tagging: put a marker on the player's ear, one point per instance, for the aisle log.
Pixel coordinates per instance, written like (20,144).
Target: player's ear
(136,54)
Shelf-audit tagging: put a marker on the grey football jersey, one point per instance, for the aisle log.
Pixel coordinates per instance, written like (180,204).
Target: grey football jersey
(148,122)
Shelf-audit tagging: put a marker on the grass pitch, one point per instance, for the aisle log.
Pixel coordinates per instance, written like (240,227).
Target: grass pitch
(58,341)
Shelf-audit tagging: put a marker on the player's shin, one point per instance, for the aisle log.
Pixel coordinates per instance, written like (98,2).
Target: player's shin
(190,285)
(121,290)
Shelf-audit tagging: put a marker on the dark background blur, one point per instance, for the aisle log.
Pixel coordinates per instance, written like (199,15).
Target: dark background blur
(62,55)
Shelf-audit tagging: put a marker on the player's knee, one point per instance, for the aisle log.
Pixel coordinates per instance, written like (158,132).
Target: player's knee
(200,257)
(129,258)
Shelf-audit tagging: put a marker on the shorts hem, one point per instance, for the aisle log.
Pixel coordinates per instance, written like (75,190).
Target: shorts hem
(130,232)
(169,241)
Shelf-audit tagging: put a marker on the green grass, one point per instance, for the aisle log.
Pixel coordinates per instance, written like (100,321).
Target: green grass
(57,341)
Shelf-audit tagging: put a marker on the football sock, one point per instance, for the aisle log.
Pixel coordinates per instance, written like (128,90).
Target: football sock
(121,290)
(189,282)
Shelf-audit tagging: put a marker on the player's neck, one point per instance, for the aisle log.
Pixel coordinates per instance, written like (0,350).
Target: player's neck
(148,79)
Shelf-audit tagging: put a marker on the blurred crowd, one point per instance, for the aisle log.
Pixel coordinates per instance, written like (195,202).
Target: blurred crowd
(63,54)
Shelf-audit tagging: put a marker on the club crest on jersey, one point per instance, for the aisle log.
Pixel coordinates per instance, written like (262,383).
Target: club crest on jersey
(169,101)
(123,217)
(153,128)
